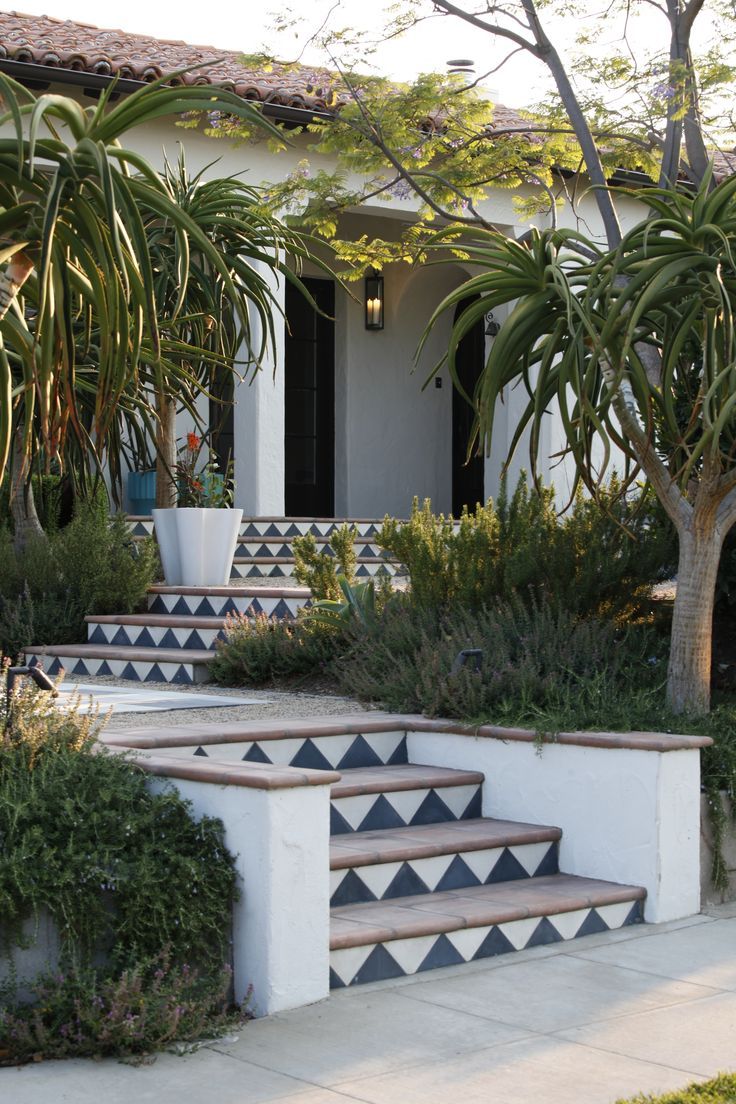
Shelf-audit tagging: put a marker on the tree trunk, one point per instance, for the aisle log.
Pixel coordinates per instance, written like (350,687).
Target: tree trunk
(689,674)
(166,492)
(22,503)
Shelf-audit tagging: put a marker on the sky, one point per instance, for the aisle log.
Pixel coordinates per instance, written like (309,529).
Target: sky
(249,27)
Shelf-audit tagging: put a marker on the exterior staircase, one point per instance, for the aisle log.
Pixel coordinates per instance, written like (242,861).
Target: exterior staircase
(419,878)
(265,551)
(174,641)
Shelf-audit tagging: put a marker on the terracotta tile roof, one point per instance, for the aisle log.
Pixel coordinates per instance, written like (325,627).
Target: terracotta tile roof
(65,44)
(83,48)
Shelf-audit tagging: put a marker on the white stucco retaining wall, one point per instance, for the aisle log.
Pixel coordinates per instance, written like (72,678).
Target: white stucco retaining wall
(280,840)
(627,815)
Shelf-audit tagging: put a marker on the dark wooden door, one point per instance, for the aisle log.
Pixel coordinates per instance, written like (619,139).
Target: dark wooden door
(467,476)
(309,442)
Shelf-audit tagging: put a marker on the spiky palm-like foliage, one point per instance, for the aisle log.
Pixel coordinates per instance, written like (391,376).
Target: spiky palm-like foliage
(72,231)
(636,348)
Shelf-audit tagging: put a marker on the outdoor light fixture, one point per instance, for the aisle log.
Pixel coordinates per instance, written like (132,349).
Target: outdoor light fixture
(472,658)
(492,326)
(461,65)
(374,302)
(39,676)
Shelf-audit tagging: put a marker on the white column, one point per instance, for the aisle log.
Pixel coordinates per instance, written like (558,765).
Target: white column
(259,419)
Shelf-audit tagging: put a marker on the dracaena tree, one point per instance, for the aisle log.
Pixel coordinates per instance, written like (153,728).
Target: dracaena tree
(213,317)
(628,335)
(635,349)
(78,310)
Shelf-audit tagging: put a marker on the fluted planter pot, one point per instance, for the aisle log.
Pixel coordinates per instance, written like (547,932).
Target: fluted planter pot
(197,544)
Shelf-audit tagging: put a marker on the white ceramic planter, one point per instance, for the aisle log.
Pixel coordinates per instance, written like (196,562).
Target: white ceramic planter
(197,544)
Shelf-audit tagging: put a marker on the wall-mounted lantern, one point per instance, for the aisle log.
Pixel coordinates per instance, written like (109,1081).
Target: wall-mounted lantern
(374,302)
(492,326)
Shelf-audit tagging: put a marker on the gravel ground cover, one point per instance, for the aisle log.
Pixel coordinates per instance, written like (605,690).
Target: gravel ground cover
(269,703)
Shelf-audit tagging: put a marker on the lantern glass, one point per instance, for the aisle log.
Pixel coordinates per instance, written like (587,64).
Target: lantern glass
(374,302)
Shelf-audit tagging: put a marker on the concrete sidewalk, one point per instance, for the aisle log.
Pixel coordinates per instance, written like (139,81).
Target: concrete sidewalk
(643,1009)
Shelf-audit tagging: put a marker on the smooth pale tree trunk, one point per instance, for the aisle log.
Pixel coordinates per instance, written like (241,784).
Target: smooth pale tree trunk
(22,503)
(26,525)
(166,493)
(689,674)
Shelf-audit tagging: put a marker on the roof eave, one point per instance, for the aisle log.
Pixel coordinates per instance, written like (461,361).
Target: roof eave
(43,75)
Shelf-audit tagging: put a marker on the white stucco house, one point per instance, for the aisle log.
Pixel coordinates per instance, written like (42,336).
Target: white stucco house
(338,425)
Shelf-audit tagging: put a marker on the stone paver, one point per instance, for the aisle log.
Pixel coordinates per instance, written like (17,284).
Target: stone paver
(643,1009)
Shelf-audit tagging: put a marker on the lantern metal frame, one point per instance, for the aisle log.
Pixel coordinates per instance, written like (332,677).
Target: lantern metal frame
(374,301)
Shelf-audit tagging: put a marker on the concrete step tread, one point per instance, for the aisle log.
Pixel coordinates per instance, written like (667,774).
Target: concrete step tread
(122,651)
(291,560)
(477,906)
(235,591)
(403,776)
(158,620)
(404,844)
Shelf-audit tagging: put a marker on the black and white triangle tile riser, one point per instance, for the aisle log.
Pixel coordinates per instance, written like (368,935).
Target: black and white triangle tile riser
(404,808)
(336,752)
(184,674)
(219,605)
(442,873)
(145,636)
(402,957)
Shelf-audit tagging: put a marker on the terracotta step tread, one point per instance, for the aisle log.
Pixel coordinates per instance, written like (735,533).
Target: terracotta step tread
(236,591)
(402,844)
(478,906)
(158,620)
(287,538)
(121,651)
(405,776)
(260,519)
(290,559)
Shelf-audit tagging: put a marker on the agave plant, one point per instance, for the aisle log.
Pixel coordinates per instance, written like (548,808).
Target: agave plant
(636,349)
(74,242)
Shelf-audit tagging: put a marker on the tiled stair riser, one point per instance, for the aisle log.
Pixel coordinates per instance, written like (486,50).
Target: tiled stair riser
(185,674)
(401,957)
(339,752)
(153,636)
(247,569)
(364,548)
(274,528)
(369,812)
(214,605)
(439,873)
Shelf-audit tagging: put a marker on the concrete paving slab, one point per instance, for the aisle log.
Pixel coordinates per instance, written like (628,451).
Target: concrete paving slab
(686,954)
(699,1035)
(557,992)
(495,1032)
(139,699)
(352,1035)
(203,1077)
(541,1070)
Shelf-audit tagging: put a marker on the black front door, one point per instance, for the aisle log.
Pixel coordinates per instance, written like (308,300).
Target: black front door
(309,444)
(467,475)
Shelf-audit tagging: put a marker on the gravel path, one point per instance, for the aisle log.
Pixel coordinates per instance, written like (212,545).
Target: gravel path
(270,703)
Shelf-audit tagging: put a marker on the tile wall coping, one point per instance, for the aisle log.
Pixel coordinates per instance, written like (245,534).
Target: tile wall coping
(247,731)
(254,776)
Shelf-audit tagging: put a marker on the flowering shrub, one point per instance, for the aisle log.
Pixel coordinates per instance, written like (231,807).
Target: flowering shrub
(128,877)
(83,1014)
(202,485)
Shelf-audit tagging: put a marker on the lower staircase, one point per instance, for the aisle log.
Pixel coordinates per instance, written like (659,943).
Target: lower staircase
(419,878)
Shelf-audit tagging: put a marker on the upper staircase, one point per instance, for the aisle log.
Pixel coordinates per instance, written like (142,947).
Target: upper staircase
(265,545)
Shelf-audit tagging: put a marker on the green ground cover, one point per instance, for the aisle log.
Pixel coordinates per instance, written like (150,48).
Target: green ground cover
(719,1090)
